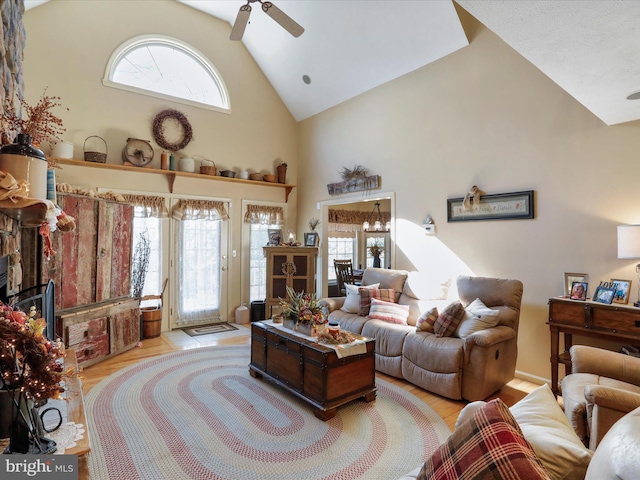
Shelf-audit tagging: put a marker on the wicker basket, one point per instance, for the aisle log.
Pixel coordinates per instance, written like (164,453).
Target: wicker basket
(98,157)
(208,169)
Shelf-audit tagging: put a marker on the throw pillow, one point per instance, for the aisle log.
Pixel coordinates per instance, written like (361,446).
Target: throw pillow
(427,320)
(477,316)
(352,302)
(448,320)
(385,294)
(389,311)
(490,446)
(547,429)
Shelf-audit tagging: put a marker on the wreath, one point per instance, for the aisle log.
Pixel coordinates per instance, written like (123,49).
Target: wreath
(159,127)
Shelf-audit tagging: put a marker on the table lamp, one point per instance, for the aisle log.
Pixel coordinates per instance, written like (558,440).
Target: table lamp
(629,247)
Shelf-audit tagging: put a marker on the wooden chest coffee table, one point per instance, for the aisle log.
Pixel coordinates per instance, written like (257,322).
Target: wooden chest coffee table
(311,371)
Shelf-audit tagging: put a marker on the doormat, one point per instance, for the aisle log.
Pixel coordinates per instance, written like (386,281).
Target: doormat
(209,329)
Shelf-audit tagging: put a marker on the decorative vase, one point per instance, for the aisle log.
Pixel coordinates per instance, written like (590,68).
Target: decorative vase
(281,170)
(376,261)
(25,162)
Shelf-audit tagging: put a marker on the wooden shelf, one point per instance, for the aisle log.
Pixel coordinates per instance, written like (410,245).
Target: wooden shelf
(171,175)
(31,216)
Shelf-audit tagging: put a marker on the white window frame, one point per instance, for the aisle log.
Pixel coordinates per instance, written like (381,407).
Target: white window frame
(126,47)
(331,272)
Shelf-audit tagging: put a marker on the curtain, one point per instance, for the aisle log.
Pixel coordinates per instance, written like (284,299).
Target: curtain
(199,210)
(264,215)
(147,206)
(352,220)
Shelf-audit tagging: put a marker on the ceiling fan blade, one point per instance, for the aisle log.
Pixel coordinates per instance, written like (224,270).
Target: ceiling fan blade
(241,22)
(283,19)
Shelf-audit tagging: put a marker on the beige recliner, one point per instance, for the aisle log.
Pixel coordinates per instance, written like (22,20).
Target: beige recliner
(602,388)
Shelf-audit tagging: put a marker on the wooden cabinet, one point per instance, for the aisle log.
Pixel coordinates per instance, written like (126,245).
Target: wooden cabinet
(92,263)
(101,330)
(615,323)
(293,267)
(91,270)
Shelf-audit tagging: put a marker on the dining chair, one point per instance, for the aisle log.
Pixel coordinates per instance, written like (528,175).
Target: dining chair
(344,274)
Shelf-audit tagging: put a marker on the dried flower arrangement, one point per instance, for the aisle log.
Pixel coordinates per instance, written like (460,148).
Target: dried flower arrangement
(303,308)
(358,172)
(41,124)
(313,223)
(376,249)
(140,264)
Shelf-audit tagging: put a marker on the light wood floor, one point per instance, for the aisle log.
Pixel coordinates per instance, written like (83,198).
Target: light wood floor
(174,341)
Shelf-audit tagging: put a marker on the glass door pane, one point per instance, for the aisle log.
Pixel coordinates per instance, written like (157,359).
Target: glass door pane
(199,272)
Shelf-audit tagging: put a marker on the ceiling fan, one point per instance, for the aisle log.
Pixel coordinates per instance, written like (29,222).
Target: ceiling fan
(270,9)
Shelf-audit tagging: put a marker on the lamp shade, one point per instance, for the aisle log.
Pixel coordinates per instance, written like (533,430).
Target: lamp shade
(628,241)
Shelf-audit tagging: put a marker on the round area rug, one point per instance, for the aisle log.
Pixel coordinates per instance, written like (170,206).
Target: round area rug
(199,414)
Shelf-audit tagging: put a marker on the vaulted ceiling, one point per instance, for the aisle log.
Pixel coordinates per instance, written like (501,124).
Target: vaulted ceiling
(590,49)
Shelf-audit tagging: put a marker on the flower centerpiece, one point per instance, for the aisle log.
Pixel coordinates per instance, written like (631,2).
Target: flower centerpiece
(31,374)
(303,312)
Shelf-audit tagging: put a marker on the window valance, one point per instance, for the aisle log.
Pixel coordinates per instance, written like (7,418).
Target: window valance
(351,220)
(264,215)
(200,210)
(148,206)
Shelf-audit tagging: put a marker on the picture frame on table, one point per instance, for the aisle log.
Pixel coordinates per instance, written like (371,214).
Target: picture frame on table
(275,237)
(569,278)
(311,239)
(604,293)
(579,291)
(623,287)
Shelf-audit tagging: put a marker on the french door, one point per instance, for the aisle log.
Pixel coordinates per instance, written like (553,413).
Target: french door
(199,273)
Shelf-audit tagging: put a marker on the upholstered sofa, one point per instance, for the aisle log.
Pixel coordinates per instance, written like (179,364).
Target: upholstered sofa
(602,388)
(533,439)
(472,367)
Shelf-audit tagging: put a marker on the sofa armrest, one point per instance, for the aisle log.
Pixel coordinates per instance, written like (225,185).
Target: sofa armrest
(597,361)
(490,336)
(333,303)
(606,406)
(612,398)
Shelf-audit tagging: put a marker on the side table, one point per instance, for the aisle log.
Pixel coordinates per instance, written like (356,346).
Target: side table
(616,323)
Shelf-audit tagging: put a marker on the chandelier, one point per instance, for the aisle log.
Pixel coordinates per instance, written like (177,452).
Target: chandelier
(376,220)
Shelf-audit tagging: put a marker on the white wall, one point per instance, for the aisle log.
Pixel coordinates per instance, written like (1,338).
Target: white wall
(485,116)
(68,45)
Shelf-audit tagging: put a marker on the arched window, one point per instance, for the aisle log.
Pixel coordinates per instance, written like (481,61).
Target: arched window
(167,68)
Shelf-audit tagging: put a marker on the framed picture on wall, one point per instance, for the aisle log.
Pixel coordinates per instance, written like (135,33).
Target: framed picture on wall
(622,290)
(275,237)
(569,278)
